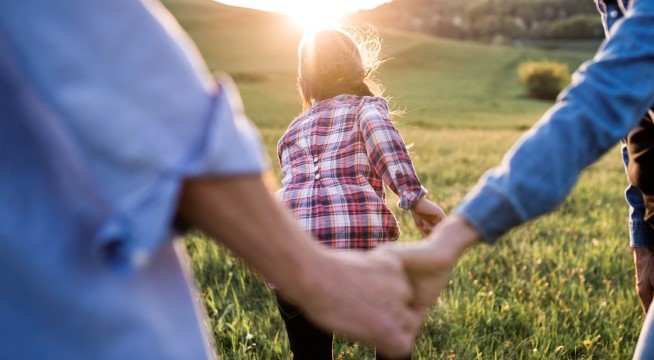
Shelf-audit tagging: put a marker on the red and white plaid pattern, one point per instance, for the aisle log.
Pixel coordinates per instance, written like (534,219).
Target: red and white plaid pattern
(335,159)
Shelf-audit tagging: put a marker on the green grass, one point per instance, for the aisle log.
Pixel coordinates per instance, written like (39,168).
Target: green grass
(560,287)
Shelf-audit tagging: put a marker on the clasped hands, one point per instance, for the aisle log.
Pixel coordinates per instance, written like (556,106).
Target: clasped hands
(382,296)
(400,283)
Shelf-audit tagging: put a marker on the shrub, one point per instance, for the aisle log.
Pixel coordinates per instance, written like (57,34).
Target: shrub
(544,79)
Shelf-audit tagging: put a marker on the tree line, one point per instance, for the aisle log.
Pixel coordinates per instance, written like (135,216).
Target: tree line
(490,20)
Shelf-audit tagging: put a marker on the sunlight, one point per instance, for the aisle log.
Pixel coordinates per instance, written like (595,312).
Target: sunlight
(310,15)
(312,18)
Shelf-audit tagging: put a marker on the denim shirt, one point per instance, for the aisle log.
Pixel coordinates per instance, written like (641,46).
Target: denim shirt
(641,234)
(105,109)
(606,99)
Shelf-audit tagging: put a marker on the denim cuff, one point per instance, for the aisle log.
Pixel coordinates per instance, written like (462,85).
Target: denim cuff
(641,234)
(490,213)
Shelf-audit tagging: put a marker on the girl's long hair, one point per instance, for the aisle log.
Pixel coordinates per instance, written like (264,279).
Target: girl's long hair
(338,61)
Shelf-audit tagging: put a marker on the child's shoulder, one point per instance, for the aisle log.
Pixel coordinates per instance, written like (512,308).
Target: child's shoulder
(370,103)
(356,101)
(375,99)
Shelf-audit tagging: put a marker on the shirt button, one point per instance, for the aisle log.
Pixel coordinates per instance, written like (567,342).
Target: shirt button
(317,168)
(315,159)
(317,176)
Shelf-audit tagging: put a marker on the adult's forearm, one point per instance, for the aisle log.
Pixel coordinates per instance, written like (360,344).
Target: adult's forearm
(240,213)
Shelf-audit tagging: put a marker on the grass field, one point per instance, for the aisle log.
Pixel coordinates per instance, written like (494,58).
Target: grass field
(560,287)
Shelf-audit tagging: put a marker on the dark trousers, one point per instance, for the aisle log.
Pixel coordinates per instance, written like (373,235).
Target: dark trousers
(307,341)
(640,148)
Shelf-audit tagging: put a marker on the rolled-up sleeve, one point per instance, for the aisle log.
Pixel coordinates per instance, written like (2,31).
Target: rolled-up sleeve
(226,144)
(138,105)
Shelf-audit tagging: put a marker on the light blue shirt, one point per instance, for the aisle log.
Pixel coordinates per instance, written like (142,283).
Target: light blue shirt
(105,108)
(606,99)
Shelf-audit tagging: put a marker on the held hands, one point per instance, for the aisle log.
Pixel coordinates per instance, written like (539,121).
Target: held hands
(382,296)
(429,263)
(644,264)
(427,215)
(379,297)
(365,295)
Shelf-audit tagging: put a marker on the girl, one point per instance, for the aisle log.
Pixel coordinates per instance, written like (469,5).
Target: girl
(336,158)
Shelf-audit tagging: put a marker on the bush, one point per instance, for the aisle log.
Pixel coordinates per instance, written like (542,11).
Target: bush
(544,79)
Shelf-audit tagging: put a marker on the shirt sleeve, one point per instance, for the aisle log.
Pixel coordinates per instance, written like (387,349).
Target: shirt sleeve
(387,152)
(139,107)
(606,99)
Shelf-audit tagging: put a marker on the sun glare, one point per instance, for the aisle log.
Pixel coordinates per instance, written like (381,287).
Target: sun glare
(310,15)
(313,18)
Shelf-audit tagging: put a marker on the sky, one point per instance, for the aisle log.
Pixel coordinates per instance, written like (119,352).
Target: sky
(308,12)
(293,6)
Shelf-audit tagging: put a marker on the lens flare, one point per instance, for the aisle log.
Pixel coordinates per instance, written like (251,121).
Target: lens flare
(310,15)
(313,18)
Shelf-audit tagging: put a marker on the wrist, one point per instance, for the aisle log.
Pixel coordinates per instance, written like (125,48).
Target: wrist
(304,276)
(409,200)
(453,237)
(419,198)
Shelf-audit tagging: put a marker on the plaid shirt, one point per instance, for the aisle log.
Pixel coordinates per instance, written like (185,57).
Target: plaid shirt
(335,159)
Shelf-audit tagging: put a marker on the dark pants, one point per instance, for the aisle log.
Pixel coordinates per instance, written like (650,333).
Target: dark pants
(640,148)
(307,342)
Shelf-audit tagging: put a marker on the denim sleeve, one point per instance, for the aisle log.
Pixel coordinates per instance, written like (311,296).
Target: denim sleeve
(640,233)
(606,99)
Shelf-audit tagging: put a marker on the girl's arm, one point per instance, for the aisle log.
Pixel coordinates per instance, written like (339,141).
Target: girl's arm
(390,159)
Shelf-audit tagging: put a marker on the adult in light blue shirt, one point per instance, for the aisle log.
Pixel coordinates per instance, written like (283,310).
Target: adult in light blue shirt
(112,131)
(606,100)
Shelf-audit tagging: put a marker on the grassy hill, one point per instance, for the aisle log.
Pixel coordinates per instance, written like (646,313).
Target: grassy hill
(439,82)
(560,287)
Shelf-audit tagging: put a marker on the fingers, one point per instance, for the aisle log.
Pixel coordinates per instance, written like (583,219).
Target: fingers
(367,296)
(425,274)
(396,339)
(440,216)
(426,222)
(428,226)
(424,227)
(398,349)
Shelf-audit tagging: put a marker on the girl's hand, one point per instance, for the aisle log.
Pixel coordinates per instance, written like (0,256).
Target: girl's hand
(426,215)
